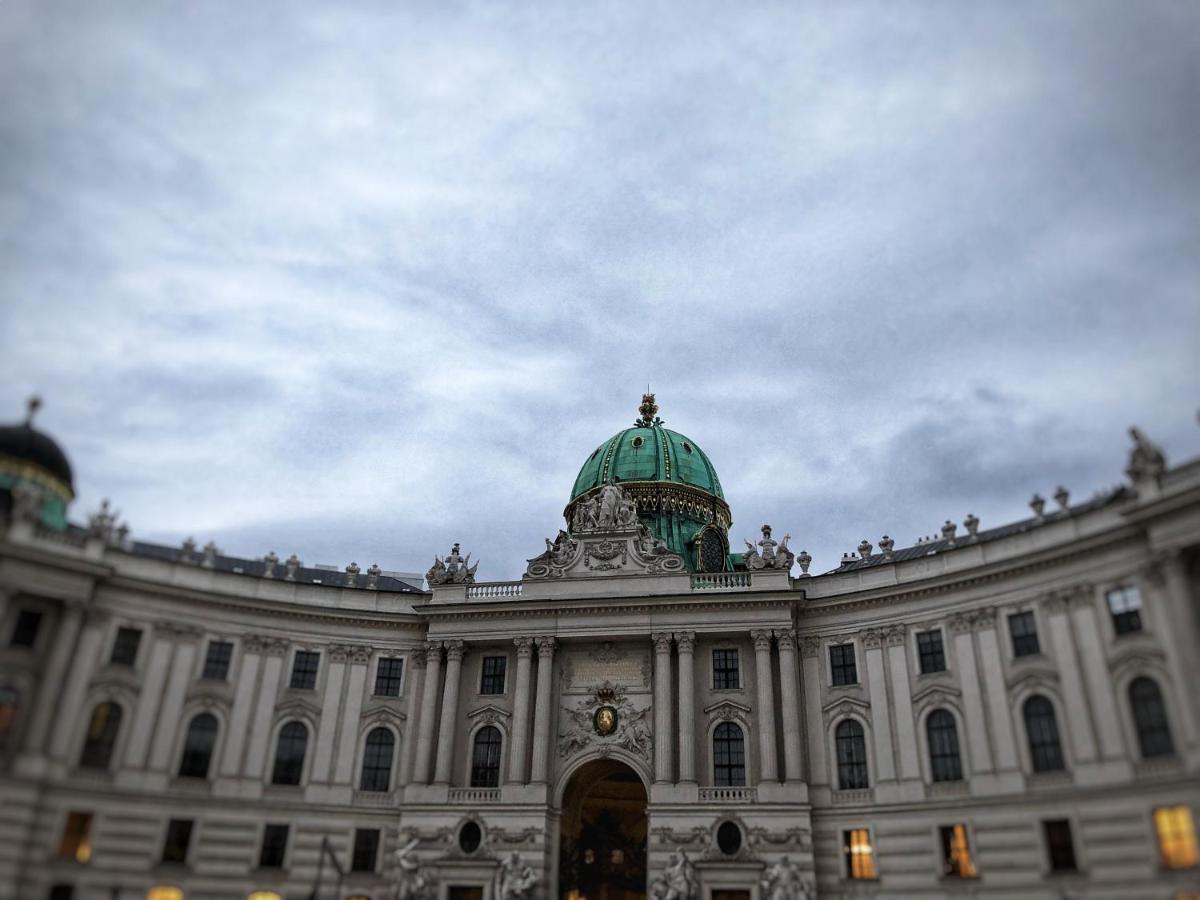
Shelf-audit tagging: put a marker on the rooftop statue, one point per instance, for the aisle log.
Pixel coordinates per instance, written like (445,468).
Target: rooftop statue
(611,507)
(774,554)
(1146,460)
(454,569)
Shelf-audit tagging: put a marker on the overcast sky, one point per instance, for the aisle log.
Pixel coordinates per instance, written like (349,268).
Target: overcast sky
(358,284)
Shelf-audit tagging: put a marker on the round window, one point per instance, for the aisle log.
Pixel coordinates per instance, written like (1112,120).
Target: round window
(687,446)
(729,838)
(470,837)
(637,442)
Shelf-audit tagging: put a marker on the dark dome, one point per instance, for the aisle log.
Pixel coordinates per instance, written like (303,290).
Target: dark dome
(26,444)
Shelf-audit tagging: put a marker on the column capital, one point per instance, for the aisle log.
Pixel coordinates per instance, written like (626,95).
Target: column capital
(360,654)
(871,638)
(786,638)
(984,618)
(762,639)
(417,658)
(960,623)
(455,650)
(662,642)
(1055,601)
(685,641)
(433,651)
(524,645)
(810,647)
(546,644)
(339,652)
(895,635)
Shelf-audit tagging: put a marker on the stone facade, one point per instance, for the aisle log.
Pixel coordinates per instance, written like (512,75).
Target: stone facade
(837,686)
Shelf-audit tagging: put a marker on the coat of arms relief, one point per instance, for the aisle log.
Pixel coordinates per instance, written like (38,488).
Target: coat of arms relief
(604,720)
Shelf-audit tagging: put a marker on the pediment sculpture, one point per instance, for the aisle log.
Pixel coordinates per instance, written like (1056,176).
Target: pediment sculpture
(769,554)
(454,569)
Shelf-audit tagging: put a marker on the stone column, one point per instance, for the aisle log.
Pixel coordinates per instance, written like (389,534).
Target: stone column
(1168,578)
(520,726)
(62,651)
(972,698)
(1097,680)
(264,707)
(543,710)
(69,709)
(145,714)
(167,722)
(446,734)
(331,701)
(662,707)
(768,767)
(881,719)
(685,643)
(1079,724)
(999,716)
(906,733)
(433,678)
(346,753)
(810,655)
(789,683)
(415,681)
(243,703)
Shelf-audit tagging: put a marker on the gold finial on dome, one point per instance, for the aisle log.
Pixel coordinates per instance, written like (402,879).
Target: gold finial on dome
(649,411)
(32,405)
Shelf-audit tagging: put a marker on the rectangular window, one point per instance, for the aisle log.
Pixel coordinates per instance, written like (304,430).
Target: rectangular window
(491,681)
(366,849)
(125,647)
(304,669)
(216,660)
(956,852)
(25,632)
(274,846)
(464,892)
(1059,845)
(1176,836)
(841,664)
(62,892)
(76,840)
(179,837)
(931,651)
(388,677)
(859,854)
(1023,628)
(725,670)
(1125,606)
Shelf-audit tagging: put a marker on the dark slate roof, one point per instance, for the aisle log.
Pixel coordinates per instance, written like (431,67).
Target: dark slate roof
(256,567)
(941,545)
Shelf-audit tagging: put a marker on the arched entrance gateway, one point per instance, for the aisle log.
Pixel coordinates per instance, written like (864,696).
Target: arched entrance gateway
(602,834)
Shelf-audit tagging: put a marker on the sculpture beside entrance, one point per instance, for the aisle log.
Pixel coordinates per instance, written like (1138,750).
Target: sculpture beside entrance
(785,881)
(410,883)
(514,880)
(678,879)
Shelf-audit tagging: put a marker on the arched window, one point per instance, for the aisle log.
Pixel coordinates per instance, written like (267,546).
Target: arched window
(289,753)
(377,761)
(1045,749)
(198,746)
(101,736)
(485,757)
(1150,717)
(851,756)
(729,756)
(944,759)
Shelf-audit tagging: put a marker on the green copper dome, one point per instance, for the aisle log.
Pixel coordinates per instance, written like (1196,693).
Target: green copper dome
(673,483)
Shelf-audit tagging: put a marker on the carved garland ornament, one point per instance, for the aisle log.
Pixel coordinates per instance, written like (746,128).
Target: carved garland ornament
(604,721)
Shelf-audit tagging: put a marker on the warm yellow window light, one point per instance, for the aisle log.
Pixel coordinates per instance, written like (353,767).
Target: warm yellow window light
(861,855)
(76,841)
(958,851)
(1176,836)
(163,892)
(264,895)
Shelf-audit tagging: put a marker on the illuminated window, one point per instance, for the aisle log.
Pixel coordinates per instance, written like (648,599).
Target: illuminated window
(264,895)
(860,855)
(76,840)
(101,736)
(956,852)
(162,892)
(1176,836)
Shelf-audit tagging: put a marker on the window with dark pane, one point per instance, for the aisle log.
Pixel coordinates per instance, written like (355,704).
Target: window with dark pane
(1022,627)
(289,753)
(62,892)
(25,631)
(1059,845)
(851,744)
(842,665)
(1041,727)
(274,847)
(125,647)
(485,757)
(101,736)
(931,652)
(179,837)
(304,669)
(76,840)
(470,836)
(491,681)
(945,761)
(366,850)
(1150,718)
(725,669)
(377,761)
(389,676)
(729,756)
(1125,607)
(216,660)
(729,838)
(198,746)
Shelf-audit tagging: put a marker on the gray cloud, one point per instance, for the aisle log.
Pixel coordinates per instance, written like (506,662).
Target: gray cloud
(360,283)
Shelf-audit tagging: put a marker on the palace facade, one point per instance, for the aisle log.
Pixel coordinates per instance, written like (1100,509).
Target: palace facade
(994,712)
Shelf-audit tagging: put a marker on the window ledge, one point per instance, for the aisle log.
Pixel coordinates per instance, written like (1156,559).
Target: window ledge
(853,797)
(1157,765)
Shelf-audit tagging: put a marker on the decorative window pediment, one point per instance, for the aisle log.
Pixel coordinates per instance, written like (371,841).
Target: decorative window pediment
(298,706)
(489,715)
(845,706)
(727,710)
